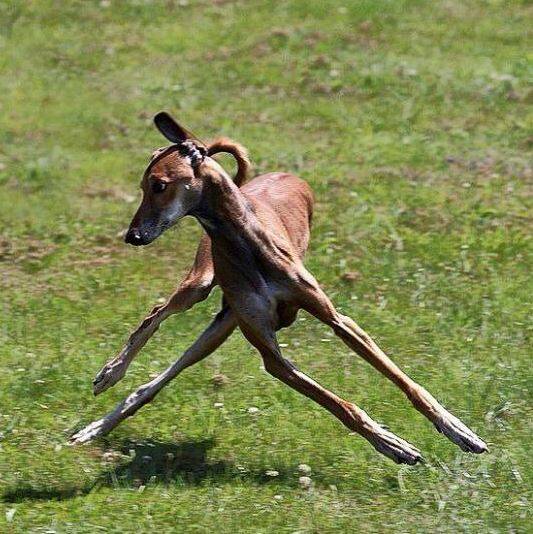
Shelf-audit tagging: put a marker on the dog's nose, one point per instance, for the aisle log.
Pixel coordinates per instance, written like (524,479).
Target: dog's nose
(134,237)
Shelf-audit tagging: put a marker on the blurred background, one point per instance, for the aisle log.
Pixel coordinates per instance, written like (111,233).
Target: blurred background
(410,120)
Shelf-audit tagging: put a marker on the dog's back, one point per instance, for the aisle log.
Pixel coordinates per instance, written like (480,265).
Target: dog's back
(290,198)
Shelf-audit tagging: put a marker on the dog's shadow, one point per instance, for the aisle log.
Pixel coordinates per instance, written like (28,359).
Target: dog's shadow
(164,462)
(149,462)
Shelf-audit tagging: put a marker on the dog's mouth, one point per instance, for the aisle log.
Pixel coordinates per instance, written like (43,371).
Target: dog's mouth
(139,236)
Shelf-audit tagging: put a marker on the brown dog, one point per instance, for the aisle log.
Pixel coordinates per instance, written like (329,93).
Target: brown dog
(256,237)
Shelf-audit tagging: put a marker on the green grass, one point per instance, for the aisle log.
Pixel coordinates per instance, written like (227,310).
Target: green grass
(410,120)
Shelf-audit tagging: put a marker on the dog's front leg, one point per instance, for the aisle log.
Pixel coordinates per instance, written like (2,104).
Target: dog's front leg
(188,294)
(195,287)
(212,337)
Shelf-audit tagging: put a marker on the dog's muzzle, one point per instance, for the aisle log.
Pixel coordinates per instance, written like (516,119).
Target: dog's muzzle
(135,237)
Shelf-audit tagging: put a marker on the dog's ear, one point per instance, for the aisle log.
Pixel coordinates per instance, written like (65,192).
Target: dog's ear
(170,128)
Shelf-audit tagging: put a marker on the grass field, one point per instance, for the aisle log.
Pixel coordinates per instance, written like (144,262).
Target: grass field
(410,121)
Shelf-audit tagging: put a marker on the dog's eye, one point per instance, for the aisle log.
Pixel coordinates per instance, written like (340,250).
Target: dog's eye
(158,187)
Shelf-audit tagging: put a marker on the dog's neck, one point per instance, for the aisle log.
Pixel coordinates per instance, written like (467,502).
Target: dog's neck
(224,211)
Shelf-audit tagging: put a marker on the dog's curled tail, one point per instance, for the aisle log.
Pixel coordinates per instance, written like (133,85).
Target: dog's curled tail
(240,154)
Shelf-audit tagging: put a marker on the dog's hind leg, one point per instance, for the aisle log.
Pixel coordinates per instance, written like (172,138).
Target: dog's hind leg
(195,287)
(316,302)
(212,337)
(258,325)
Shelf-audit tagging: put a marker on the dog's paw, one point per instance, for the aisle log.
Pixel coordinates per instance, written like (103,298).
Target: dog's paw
(456,431)
(109,375)
(90,432)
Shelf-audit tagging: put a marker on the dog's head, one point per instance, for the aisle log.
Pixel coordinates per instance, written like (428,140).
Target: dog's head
(171,184)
